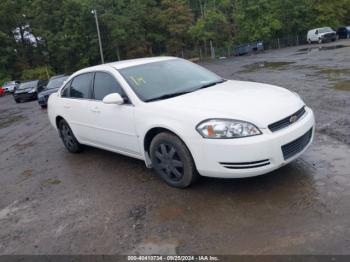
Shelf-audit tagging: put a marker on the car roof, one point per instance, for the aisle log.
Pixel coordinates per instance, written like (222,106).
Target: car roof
(58,76)
(125,63)
(325,27)
(139,61)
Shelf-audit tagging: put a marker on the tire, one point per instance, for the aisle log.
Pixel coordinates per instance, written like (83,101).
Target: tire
(172,161)
(309,41)
(320,41)
(68,138)
(43,107)
(17,101)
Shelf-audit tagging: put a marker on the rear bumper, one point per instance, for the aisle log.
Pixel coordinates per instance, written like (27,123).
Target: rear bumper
(252,156)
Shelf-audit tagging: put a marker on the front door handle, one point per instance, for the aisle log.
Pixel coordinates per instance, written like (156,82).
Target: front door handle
(96,110)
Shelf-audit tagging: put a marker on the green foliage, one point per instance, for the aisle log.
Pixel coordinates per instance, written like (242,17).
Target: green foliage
(42,73)
(4,79)
(62,33)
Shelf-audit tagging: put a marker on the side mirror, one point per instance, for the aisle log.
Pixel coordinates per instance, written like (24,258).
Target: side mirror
(113,98)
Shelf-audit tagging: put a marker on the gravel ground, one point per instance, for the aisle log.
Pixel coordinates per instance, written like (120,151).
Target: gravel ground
(97,202)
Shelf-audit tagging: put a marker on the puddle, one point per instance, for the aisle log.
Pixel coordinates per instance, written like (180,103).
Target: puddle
(266,65)
(339,130)
(335,73)
(6,121)
(342,85)
(321,48)
(50,181)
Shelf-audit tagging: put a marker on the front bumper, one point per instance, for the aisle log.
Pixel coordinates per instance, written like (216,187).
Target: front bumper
(328,37)
(251,156)
(42,100)
(25,96)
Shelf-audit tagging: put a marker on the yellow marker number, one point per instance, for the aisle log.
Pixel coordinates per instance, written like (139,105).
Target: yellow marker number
(138,80)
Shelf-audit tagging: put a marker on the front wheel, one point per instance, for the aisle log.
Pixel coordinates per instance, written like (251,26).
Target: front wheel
(320,41)
(68,138)
(173,161)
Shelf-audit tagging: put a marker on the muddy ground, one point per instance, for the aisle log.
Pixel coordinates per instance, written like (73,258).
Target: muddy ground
(97,202)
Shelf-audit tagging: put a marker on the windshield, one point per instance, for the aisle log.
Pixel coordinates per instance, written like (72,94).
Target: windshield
(30,84)
(325,30)
(10,83)
(153,80)
(56,82)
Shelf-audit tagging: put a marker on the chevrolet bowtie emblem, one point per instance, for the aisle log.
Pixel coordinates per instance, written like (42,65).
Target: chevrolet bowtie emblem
(293,119)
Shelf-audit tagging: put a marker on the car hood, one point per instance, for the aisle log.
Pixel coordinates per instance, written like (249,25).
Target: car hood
(48,91)
(328,33)
(258,103)
(21,91)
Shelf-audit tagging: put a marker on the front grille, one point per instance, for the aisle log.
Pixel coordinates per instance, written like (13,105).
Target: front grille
(291,149)
(287,121)
(245,165)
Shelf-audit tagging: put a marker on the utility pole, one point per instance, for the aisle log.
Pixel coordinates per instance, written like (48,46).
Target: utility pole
(98,34)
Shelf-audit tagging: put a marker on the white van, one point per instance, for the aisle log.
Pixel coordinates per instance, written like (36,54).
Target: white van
(321,35)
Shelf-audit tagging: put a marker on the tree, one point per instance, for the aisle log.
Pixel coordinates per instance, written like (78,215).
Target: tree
(176,18)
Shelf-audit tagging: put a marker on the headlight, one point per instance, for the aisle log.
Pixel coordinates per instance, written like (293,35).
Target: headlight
(32,90)
(226,128)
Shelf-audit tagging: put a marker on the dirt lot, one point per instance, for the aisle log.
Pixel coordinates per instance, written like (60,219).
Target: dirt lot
(97,202)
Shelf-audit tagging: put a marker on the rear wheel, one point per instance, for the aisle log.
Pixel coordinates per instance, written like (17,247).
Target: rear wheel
(68,138)
(172,160)
(43,106)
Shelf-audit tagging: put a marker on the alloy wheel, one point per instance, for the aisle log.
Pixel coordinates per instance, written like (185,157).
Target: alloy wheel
(169,163)
(67,136)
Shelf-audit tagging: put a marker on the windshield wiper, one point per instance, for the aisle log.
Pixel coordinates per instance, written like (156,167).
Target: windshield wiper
(167,96)
(211,84)
(185,92)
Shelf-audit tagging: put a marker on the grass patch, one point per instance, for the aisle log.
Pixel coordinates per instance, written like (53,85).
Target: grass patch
(342,85)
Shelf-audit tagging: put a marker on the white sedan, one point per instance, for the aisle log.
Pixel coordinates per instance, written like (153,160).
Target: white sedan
(181,119)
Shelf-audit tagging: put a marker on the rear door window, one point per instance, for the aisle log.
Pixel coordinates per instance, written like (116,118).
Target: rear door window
(81,86)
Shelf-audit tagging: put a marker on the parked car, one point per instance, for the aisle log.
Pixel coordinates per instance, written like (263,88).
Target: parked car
(29,90)
(321,35)
(182,119)
(343,32)
(2,91)
(9,87)
(248,48)
(54,84)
